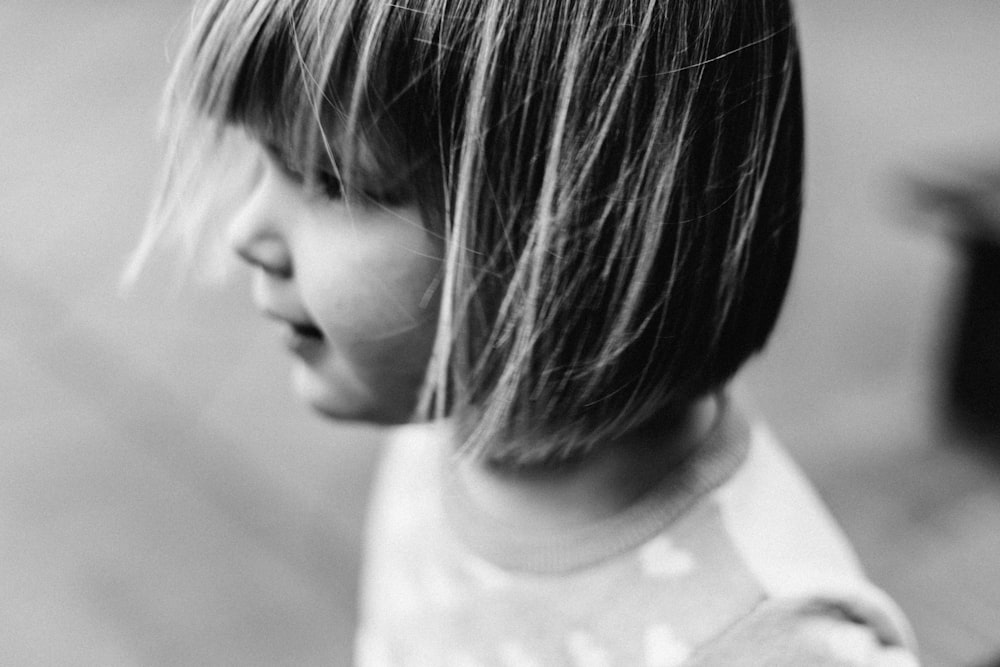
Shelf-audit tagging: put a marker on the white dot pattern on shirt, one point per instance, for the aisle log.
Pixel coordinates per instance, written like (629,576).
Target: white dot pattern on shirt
(514,655)
(664,649)
(661,558)
(584,651)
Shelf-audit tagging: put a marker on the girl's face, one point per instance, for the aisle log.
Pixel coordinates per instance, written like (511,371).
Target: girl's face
(351,284)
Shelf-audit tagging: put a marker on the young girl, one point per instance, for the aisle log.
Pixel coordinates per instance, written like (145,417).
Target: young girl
(547,233)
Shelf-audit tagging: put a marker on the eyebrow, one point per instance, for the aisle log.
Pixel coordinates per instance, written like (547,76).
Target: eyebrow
(273,148)
(280,156)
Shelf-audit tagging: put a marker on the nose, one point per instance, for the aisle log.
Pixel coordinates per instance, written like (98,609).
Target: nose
(267,253)
(257,237)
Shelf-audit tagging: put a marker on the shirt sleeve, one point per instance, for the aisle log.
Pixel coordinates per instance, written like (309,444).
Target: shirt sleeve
(795,632)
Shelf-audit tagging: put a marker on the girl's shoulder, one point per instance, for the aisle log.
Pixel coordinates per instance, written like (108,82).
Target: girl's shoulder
(817,605)
(811,631)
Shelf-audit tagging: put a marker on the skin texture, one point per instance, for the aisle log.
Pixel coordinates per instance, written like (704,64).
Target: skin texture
(351,284)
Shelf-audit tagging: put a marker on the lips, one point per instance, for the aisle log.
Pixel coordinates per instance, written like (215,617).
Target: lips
(301,336)
(305,341)
(306,330)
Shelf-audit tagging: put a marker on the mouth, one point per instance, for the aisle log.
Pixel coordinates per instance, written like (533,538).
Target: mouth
(300,328)
(306,330)
(306,341)
(302,338)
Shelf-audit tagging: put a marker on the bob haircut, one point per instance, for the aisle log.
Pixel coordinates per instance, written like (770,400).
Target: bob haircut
(616,184)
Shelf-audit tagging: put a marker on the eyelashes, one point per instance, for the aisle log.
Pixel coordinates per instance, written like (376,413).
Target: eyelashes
(329,181)
(331,185)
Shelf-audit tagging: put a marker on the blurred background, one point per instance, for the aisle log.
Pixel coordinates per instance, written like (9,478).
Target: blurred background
(165,500)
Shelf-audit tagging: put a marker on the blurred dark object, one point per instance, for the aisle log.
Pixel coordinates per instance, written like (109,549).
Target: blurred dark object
(967,202)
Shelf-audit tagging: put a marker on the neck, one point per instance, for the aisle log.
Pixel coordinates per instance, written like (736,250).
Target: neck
(599,486)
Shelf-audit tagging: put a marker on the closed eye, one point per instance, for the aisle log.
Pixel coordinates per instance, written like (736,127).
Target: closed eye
(325,181)
(331,185)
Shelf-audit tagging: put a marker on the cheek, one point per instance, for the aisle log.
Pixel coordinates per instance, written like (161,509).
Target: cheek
(372,299)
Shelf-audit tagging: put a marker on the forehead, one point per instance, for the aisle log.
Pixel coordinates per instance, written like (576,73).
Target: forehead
(340,82)
(252,67)
(354,146)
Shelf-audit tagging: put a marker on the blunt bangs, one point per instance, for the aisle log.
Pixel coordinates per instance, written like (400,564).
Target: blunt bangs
(320,81)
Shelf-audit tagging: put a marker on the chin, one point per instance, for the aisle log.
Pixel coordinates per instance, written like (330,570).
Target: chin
(365,416)
(348,403)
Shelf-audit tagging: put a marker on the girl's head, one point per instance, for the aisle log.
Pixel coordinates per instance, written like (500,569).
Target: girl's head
(567,218)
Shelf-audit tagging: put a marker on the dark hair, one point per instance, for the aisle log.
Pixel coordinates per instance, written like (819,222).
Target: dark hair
(616,183)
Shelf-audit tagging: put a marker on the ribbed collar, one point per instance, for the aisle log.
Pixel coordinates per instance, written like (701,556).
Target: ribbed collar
(713,462)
